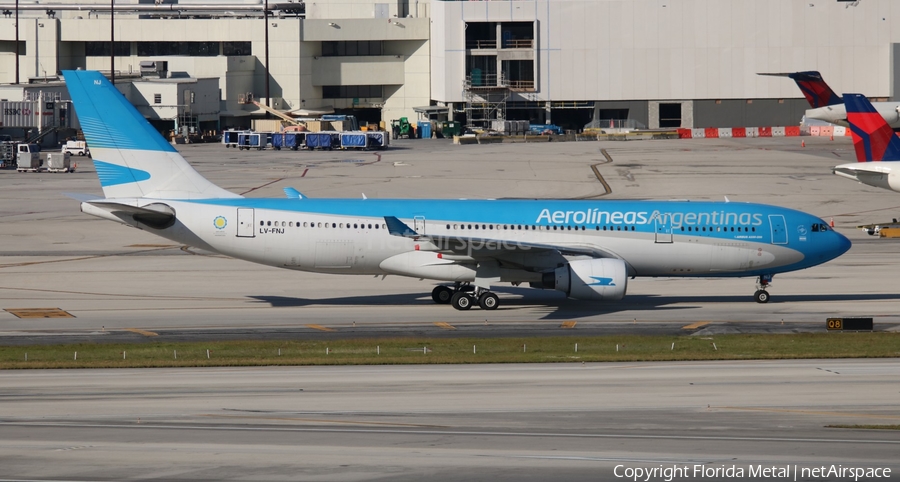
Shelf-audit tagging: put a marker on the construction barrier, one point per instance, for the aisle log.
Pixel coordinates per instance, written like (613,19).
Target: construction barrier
(737,132)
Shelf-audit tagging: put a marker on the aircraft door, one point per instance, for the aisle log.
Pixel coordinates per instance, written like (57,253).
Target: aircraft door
(419,224)
(245,223)
(663,229)
(779,230)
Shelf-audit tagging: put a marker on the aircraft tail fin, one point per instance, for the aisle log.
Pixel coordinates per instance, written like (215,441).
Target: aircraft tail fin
(813,86)
(131,158)
(873,138)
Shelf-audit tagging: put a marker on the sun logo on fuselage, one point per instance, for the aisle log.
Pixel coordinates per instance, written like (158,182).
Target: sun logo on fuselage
(220,222)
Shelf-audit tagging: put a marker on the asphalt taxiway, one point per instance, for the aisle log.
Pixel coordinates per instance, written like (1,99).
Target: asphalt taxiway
(488,422)
(98,280)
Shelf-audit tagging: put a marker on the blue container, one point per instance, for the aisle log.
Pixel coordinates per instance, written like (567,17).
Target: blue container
(318,140)
(292,140)
(424,129)
(376,140)
(353,140)
(278,141)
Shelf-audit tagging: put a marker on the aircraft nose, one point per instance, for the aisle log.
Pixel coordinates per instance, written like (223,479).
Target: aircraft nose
(839,245)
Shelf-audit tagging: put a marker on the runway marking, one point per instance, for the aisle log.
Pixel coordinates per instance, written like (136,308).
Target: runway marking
(152,246)
(320,327)
(568,324)
(694,326)
(811,412)
(314,420)
(39,313)
(445,325)
(141,332)
(470,433)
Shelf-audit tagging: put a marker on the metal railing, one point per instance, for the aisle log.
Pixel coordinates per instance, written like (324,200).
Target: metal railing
(481,44)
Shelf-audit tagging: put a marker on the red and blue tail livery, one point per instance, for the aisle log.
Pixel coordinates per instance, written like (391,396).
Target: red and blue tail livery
(813,86)
(873,138)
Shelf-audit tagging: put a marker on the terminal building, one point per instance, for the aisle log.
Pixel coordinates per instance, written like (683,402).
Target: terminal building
(200,64)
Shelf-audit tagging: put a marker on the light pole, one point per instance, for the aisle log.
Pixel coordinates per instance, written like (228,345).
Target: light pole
(17,41)
(112,41)
(266,19)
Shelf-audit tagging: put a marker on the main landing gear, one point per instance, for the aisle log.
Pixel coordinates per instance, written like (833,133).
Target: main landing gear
(463,296)
(761,295)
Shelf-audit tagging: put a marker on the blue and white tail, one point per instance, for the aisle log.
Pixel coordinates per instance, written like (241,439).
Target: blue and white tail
(131,158)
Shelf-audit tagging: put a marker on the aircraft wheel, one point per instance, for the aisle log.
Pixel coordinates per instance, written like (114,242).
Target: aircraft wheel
(761,296)
(488,301)
(441,295)
(461,301)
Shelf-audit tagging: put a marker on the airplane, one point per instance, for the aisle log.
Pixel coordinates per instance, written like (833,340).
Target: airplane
(586,249)
(829,107)
(875,144)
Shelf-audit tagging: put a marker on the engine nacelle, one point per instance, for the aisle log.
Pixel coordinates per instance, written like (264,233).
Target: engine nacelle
(590,279)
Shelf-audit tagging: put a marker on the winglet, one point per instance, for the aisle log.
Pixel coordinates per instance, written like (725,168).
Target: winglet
(292,193)
(873,138)
(398,228)
(813,86)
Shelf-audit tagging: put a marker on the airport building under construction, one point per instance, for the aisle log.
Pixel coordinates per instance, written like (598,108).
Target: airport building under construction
(635,63)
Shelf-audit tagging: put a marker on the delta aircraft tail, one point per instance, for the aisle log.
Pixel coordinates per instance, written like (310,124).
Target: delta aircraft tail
(873,138)
(131,158)
(814,88)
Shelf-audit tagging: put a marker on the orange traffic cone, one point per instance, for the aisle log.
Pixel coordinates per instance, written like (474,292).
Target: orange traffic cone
(832,222)
(832,137)
(802,143)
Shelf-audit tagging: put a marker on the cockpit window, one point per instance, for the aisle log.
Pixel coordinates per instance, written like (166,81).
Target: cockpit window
(819,227)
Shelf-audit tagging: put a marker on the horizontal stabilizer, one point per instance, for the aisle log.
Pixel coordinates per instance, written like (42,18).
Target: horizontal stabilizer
(156,215)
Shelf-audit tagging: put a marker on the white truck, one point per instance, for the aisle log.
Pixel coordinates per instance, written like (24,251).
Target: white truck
(79,148)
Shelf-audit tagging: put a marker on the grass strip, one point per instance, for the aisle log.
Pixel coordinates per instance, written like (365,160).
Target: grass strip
(395,351)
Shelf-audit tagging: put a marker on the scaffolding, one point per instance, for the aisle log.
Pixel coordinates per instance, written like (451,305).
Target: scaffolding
(486,97)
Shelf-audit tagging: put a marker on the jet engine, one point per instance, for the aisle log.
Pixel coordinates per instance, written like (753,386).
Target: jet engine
(603,279)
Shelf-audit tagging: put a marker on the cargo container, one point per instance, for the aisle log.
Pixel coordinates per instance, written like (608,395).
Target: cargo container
(252,140)
(354,140)
(377,139)
(322,140)
(59,162)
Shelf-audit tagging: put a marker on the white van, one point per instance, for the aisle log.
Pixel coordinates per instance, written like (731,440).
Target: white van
(76,148)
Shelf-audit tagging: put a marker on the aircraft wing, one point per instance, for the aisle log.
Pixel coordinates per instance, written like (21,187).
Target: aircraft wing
(488,247)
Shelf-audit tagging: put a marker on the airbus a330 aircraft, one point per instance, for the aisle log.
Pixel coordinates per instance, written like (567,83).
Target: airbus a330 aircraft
(586,249)
(875,144)
(828,106)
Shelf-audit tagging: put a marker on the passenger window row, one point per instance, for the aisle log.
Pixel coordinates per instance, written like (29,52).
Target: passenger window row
(292,224)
